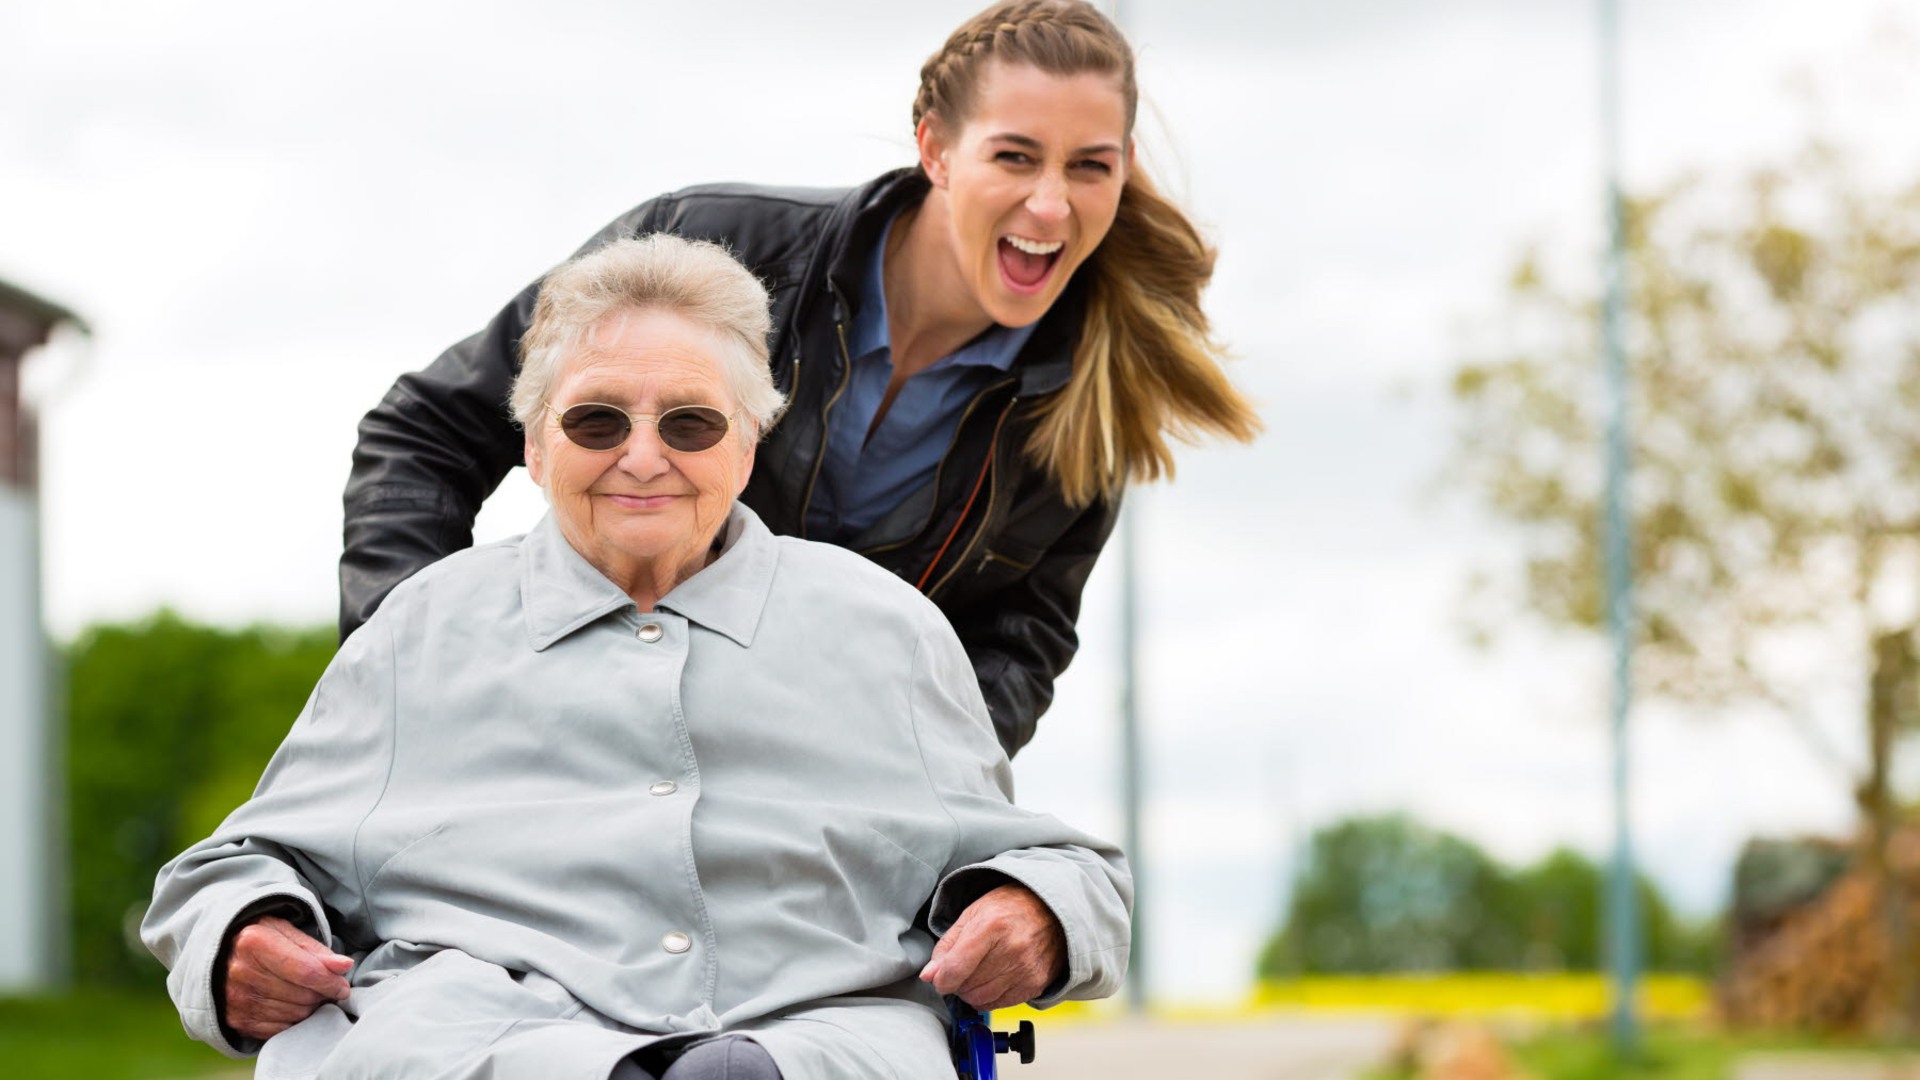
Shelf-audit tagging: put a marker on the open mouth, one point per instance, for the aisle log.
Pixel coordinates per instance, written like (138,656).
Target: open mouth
(1026,263)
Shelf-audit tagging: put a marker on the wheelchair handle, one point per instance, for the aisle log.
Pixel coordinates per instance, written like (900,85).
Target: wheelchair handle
(1019,1041)
(975,1043)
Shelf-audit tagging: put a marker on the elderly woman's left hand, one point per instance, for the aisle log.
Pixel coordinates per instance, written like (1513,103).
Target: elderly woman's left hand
(1004,949)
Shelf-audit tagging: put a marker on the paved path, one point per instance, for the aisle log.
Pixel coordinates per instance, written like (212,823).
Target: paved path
(1272,1049)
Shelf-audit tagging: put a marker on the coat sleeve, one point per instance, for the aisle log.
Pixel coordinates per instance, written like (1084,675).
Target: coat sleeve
(1021,637)
(434,448)
(1083,880)
(290,845)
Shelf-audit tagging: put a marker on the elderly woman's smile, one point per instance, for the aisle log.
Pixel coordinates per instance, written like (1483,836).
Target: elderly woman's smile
(643,513)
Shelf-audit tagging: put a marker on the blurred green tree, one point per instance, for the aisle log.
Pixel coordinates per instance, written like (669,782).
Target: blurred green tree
(1387,894)
(1774,351)
(1560,895)
(169,726)
(1563,920)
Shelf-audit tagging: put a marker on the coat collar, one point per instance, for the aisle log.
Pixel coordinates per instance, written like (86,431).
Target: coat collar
(561,591)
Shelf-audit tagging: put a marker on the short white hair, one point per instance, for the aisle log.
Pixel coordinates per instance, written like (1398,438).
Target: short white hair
(693,279)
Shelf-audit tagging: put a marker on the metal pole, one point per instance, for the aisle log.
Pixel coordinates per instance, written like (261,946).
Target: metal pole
(1131,772)
(1623,931)
(1132,782)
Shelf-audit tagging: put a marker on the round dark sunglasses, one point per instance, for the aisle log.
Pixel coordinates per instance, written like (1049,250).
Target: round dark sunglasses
(688,429)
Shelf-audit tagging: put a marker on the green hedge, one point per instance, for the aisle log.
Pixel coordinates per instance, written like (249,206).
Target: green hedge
(169,725)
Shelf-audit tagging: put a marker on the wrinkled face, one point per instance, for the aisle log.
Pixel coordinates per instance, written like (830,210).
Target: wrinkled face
(1032,181)
(642,505)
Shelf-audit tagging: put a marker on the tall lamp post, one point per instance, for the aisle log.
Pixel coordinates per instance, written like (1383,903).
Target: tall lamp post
(1623,929)
(1131,779)
(1132,769)
(32,916)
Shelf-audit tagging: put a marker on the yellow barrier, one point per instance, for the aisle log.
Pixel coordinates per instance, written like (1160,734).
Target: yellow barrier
(1552,997)
(1519,995)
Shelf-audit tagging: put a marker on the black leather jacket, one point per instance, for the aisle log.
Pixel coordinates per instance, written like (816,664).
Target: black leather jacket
(992,542)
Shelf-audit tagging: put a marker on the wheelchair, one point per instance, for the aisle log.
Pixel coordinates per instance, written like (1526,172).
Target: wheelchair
(974,1042)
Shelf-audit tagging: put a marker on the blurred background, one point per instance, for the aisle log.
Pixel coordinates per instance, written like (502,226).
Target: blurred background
(1373,690)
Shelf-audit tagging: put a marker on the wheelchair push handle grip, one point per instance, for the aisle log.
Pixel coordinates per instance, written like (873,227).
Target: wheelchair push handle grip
(975,1043)
(1019,1041)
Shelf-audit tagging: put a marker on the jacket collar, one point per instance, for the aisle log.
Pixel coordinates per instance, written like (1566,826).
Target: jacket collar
(859,223)
(562,592)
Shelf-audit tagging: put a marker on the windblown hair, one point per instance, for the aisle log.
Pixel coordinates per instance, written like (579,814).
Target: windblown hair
(694,279)
(1146,368)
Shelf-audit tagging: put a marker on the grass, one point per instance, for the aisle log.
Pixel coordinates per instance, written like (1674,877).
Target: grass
(1675,1052)
(99,1035)
(1667,1052)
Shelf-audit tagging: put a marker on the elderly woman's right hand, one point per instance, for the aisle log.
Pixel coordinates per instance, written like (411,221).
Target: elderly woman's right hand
(277,976)
(1004,949)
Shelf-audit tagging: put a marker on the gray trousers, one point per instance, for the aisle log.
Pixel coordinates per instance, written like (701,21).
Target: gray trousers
(731,1057)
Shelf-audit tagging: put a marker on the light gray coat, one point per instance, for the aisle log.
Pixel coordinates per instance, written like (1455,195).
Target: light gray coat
(553,829)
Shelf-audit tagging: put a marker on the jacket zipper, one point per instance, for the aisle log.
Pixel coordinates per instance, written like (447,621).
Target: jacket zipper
(940,470)
(986,512)
(846,373)
(988,558)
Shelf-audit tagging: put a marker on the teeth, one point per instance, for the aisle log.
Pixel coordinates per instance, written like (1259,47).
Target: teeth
(1035,247)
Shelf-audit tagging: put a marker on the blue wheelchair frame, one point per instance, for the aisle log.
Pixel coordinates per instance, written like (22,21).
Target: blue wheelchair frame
(974,1042)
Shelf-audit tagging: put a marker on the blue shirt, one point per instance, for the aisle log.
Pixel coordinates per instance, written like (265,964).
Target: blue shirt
(862,477)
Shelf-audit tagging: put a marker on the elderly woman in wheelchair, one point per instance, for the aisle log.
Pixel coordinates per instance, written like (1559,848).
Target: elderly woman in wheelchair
(647,792)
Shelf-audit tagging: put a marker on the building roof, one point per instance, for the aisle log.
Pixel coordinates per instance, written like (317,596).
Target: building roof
(26,319)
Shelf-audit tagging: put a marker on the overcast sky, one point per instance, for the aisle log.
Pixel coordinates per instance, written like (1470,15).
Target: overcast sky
(267,213)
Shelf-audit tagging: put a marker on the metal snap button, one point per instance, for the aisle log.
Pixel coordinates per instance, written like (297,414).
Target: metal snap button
(664,787)
(650,632)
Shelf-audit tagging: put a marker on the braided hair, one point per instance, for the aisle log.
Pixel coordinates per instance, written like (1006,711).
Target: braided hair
(1060,38)
(1146,367)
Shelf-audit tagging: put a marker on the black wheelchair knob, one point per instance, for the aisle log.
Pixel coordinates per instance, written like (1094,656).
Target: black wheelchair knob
(1016,1042)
